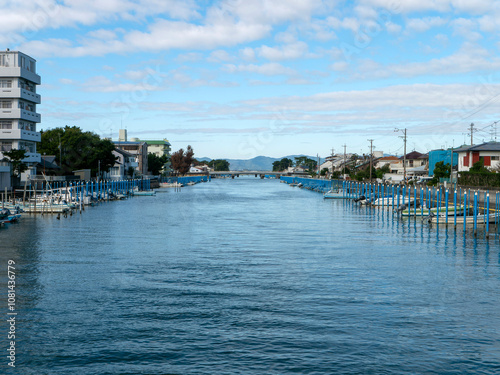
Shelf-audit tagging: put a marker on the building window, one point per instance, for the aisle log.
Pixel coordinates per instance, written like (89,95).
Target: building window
(5,104)
(5,124)
(497,158)
(5,146)
(5,83)
(26,126)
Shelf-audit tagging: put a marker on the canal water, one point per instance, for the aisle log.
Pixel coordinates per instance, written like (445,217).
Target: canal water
(248,276)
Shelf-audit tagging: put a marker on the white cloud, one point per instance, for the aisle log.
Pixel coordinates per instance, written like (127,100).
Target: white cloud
(423,24)
(340,66)
(291,51)
(393,28)
(247,54)
(349,23)
(270,69)
(469,58)
(66,81)
(167,35)
(102,34)
(220,56)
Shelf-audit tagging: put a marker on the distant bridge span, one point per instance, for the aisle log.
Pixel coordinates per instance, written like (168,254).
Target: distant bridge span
(249,173)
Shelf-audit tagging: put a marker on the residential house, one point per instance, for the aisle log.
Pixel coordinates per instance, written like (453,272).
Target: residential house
(488,152)
(160,148)
(135,147)
(120,170)
(394,163)
(416,164)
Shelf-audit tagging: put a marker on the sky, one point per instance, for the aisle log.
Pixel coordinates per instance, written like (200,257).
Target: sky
(239,78)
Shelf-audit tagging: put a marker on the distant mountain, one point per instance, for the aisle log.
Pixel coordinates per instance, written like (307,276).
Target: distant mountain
(259,163)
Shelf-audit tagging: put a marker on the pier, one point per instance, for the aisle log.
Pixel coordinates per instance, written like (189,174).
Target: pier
(455,207)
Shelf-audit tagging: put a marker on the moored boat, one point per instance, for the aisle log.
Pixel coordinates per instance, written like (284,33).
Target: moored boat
(335,194)
(469,219)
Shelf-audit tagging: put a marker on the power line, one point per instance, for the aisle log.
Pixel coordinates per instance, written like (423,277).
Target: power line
(472,133)
(371,157)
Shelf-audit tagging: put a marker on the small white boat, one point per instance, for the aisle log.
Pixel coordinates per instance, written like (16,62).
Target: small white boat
(334,194)
(137,192)
(469,219)
(383,201)
(434,210)
(170,184)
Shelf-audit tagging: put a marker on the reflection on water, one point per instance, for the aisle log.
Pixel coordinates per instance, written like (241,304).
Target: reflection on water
(250,276)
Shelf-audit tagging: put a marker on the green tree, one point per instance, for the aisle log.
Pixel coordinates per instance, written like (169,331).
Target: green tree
(380,172)
(323,172)
(281,165)
(156,163)
(130,172)
(219,165)
(15,157)
(181,160)
(75,149)
(336,175)
(307,163)
(441,170)
(478,167)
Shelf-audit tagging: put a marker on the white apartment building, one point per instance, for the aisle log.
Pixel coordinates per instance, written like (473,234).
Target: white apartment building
(18,101)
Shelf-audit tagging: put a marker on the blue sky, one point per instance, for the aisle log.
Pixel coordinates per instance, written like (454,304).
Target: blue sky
(238,79)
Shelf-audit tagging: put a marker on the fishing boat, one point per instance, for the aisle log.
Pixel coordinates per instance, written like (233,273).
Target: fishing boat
(46,207)
(383,201)
(371,200)
(469,220)
(8,217)
(137,192)
(170,184)
(434,210)
(335,194)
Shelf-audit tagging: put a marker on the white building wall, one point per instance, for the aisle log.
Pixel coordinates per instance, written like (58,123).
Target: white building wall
(18,101)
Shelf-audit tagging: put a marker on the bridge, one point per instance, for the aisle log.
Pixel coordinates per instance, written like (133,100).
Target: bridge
(260,174)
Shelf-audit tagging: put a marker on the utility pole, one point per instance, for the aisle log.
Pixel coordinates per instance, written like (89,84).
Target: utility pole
(371,157)
(404,152)
(343,169)
(331,160)
(319,166)
(472,134)
(60,150)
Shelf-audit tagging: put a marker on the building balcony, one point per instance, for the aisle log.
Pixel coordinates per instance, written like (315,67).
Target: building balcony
(19,134)
(32,157)
(16,71)
(4,167)
(20,93)
(18,113)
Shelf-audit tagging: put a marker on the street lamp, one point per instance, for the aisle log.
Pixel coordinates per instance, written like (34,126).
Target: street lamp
(404,153)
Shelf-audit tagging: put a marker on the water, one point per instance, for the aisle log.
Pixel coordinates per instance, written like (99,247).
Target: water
(248,276)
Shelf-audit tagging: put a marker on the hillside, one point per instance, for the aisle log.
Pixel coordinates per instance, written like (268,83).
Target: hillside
(259,163)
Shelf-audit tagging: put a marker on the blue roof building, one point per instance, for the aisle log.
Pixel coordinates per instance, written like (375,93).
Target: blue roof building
(441,155)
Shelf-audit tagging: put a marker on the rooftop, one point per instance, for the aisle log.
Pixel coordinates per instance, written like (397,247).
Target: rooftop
(412,155)
(156,142)
(487,146)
